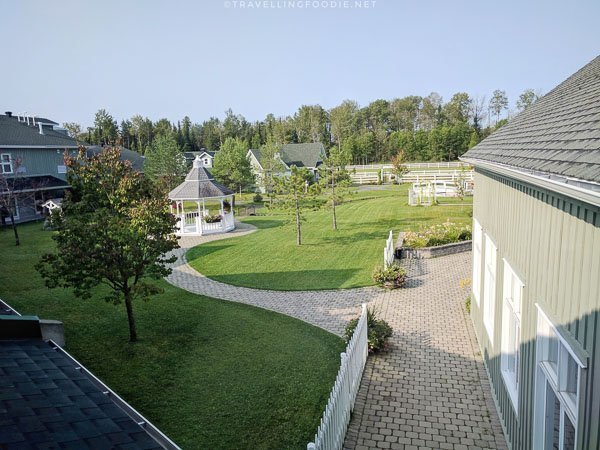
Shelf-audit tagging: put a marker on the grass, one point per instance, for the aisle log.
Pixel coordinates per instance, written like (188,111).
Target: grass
(327,259)
(208,373)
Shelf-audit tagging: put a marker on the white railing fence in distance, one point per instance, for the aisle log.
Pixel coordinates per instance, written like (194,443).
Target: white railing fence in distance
(389,251)
(334,423)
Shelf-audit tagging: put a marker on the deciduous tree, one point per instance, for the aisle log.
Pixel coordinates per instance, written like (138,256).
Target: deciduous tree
(295,196)
(231,166)
(164,163)
(498,103)
(114,230)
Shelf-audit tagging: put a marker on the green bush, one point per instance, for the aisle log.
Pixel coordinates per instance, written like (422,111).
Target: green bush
(445,233)
(378,331)
(257,198)
(392,277)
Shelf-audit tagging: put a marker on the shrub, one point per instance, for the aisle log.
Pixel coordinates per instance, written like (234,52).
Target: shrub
(212,219)
(391,277)
(445,233)
(257,198)
(378,331)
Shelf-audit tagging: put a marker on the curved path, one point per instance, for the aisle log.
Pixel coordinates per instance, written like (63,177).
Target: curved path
(429,390)
(330,310)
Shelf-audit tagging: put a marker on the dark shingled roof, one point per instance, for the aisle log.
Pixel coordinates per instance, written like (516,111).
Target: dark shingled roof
(199,183)
(13,132)
(303,155)
(45,402)
(559,134)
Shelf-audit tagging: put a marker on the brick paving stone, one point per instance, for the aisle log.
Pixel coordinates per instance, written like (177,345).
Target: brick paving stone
(429,387)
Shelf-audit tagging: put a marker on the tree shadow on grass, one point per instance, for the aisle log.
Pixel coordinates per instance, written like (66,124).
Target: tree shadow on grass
(265,223)
(294,280)
(204,250)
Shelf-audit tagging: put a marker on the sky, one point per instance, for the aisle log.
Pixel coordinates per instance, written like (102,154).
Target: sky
(66,59)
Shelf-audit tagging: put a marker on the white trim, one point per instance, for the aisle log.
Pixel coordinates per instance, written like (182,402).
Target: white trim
(9,162)
(586,195)
(512,301)
(489,286)
(477,253)
(545,377)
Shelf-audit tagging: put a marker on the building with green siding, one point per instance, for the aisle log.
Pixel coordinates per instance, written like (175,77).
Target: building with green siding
(536,266)
(32,168)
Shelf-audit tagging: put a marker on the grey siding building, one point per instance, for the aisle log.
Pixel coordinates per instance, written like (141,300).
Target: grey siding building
(32,163)
(536,266)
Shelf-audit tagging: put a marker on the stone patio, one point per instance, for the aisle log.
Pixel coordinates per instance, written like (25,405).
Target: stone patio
(430,389)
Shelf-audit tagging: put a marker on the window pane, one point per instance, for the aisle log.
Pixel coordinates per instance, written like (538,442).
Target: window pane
(552,420)
(569,434)
(571,375)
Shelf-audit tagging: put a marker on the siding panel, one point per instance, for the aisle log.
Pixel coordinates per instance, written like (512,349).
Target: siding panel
(553,242)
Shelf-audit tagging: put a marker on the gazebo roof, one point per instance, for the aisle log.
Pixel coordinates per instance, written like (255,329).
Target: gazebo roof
(199,183)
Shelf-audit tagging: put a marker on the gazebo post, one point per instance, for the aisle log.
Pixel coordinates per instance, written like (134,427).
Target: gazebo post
(199,219)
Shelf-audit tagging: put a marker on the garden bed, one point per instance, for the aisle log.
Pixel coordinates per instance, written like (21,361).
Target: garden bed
(403,252)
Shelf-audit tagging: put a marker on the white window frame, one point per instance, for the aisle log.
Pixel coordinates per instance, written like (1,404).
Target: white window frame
(512,301)
(477,247)
(4,162)
(547,376)
(61,169)
(489,287)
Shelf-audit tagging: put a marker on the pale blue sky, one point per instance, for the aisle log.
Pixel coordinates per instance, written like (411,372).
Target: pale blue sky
(66,59)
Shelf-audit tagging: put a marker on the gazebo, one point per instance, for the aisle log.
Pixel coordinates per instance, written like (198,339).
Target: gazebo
(193,199)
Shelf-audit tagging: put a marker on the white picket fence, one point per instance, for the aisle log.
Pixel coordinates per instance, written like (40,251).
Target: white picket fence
(389,251)
(334,423)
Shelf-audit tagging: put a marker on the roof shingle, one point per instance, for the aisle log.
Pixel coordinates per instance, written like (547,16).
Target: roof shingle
(559,134)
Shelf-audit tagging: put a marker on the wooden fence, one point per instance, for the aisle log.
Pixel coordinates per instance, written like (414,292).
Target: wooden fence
(334,423)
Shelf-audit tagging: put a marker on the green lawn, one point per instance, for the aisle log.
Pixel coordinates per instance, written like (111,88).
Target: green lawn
(209,373)
(327,259)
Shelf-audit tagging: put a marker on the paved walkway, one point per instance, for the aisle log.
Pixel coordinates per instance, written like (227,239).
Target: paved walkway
(429,390)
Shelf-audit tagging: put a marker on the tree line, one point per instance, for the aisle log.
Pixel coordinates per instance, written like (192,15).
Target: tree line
(426,128)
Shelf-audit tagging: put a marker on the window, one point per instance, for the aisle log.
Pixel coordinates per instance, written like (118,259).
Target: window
(476,261)
(489,287)
(557,389)
(512,294)
(206,161)
(61,169)
(6,165)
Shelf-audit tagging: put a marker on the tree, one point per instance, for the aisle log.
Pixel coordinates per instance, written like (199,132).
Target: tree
(105,128)
(343,121)
(74,129)
(333,175)
(498,103)
(458,108)
(231,166)
(272,168)
(114,230)
(399,164)
(526,99)
(295,196)
(164,163)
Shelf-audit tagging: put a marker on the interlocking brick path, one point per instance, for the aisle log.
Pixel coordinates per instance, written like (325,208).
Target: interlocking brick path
(429,390)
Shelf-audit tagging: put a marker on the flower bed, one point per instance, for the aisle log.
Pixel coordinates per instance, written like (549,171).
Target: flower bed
(439,240)
(445,233)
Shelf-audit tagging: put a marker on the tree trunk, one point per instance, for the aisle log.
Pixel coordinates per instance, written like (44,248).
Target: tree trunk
(130,319)
(333,198)
(14,227)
